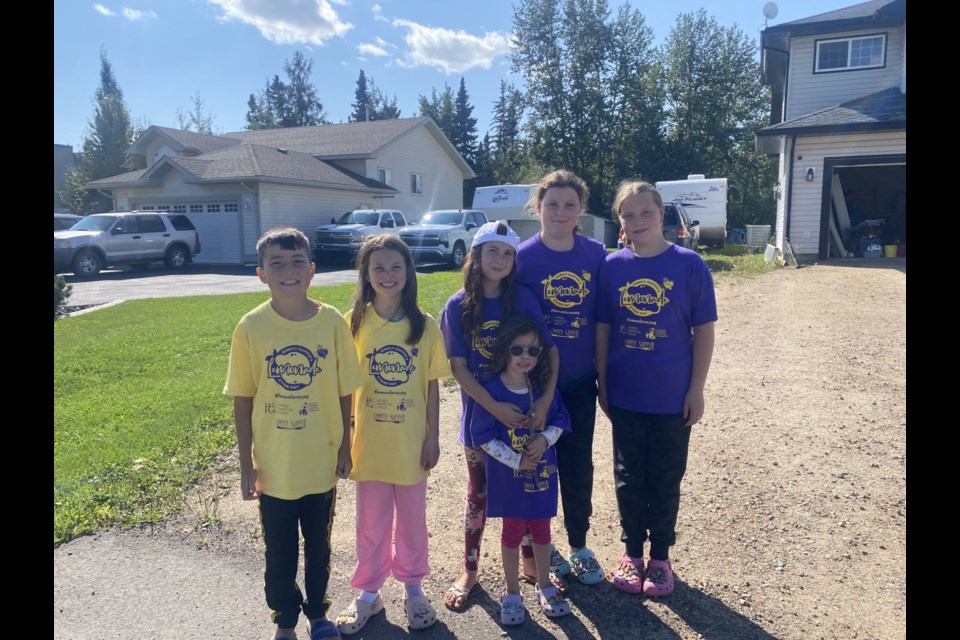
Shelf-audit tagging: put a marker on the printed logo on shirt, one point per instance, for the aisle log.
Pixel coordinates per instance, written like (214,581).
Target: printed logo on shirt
(391,365)
(644,297)
(484,339)
(566,289)
(294,367)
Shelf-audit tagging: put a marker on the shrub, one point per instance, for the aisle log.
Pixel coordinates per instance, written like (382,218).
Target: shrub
(61,291)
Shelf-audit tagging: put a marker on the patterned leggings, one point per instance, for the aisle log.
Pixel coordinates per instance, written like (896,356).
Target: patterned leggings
(475,513)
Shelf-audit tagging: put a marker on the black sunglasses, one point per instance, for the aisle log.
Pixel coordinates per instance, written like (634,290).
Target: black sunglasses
(532,351)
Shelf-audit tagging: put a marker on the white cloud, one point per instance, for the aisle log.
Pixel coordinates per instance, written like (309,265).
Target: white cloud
(450,51)
(377,15)
(102,10)
(342,3)
(135,14)
(291,22)
(372,50)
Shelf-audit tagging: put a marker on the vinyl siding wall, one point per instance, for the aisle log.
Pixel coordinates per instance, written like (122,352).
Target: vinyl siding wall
(808,92)
(805,216)
(306,208)
(418,152)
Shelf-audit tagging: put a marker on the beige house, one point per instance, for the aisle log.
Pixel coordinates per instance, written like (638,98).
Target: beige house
(237,185)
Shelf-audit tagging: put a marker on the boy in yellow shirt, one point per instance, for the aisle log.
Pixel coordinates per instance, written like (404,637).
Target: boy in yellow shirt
(293,368)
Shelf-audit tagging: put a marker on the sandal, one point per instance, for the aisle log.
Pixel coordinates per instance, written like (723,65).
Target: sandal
(658,578)
(456,594)
(629,575)
(352,619)
(511,608)
(555,579)
(552,603)
(584,565)
(322,629)
(420,613)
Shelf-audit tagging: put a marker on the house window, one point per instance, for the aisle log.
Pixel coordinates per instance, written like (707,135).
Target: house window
(416,183)
(866,52)
(147,207)
(196,208)
(231,207)
(383,175)
(179,208)
(213,208)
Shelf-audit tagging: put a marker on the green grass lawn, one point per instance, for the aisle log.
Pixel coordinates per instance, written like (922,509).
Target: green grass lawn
(139,413)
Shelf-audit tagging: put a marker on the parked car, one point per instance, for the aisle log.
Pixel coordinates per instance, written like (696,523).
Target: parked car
(63,221)
(125,237)
(444,235)
(678,228)
(345,236)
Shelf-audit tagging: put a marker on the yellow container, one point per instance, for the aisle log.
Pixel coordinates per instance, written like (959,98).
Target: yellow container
(889,251)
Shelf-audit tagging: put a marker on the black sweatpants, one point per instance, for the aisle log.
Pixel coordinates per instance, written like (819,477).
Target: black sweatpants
(280,520)
(649,460)
(575,458)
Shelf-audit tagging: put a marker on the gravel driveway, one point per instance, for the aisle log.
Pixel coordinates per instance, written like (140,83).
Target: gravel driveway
(792,521)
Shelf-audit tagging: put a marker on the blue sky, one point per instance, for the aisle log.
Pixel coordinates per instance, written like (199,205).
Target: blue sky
(165,51)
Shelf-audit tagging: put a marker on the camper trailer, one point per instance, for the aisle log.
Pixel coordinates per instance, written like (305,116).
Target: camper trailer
(509,202)
(704,200)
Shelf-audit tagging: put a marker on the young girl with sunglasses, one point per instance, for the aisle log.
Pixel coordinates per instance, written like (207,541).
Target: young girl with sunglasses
(521,462)
(469,324)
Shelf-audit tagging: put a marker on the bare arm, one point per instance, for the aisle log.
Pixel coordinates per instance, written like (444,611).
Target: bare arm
(601,357)
(243,420)
(693,403)
(430,454)
(506,412)
(344,460)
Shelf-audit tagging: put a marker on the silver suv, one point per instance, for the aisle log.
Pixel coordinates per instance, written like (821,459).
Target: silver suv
(136,238)
(444,235)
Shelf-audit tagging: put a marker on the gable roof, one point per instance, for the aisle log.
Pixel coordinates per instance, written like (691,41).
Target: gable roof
(866,15)
(294,155)
(881,111)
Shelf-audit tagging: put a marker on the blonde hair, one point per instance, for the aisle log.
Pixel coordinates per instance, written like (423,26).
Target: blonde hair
(633,187)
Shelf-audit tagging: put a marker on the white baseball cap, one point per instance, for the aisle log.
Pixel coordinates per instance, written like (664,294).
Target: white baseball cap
(497,231)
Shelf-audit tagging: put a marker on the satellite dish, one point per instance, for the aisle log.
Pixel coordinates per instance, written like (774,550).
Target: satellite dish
(770,10)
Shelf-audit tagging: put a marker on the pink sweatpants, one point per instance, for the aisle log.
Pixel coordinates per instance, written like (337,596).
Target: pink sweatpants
(379,549)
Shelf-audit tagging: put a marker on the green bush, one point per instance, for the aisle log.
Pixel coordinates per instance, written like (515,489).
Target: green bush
(61,291)
(734,250)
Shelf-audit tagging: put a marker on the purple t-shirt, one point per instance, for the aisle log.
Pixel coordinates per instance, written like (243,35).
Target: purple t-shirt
(530,495)
(478,349)
(651,305)
(565,284)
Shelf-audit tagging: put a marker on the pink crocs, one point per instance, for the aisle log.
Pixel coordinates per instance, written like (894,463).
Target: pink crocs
(629,575)
(658,580)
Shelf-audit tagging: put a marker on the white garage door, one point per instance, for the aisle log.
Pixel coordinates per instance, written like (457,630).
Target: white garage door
(218,224)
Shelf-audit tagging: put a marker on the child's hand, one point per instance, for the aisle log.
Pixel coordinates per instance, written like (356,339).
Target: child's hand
(344,462)
(693,405)
(528,462)
(534,448)
(248,484)
(540,409)
(509,414)
(430,454)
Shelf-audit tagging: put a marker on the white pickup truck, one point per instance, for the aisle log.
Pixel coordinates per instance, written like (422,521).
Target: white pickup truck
(345,236)
(444,235)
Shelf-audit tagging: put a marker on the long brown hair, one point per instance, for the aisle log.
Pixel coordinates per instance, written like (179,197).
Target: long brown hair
(365,294)
(511,328)
(473,291)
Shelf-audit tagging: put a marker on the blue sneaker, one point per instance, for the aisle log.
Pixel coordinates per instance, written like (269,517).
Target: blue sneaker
(557,564)
(584,565)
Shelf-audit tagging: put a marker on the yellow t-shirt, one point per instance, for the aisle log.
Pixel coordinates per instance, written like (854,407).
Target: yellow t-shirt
(391,405)
(295,371)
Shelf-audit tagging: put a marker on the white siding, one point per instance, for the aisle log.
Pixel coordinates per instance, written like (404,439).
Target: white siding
(418,152)
(307,208)
(156,150)
(805,213)
(782,190)
(808,92)
(903,62)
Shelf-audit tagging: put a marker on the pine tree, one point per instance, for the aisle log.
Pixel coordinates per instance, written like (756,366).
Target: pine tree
(197,119)
(361,103)
(104,148)
(287,104)
(370,102)
(464,126)
(440,108)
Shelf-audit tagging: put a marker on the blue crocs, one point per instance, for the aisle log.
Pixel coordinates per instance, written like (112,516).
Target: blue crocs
(584,565)
(557,563)
(324,629)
